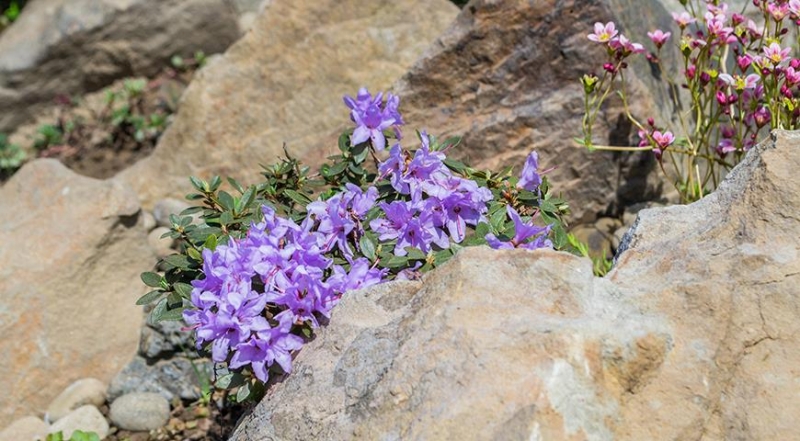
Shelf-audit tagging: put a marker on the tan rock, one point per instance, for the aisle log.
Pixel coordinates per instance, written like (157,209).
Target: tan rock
(283,83)
(84,391)
(25,429)
(85,418)
(693,336)
(73,249)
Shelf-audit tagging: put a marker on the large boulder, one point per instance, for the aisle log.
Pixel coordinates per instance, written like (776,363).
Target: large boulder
(505,77)
(283,83)
(71,254)
(693,336)
(69,47)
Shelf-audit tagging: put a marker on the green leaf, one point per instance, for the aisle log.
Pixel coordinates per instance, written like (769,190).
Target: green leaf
(337,169)
(247,198)
(226,201)
(199,184)
(235,184)
(151,279)
(243,393)
(210,243)
(172,315)
(178,261)
(58,436)
(498,220)
(229,380)
(150,297)
(396,262)
(194,254)
(456,166)
(344,142)
(183,289)
(298,197)
(174,300)
(548,206)
(226,218)
(415,254)
(367,247)
(191,210)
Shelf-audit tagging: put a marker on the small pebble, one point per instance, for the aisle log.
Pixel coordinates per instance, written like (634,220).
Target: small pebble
(161,246)
(165,207)
(84,391)
(148,220)
(86,418)
(140,411)
(25,429)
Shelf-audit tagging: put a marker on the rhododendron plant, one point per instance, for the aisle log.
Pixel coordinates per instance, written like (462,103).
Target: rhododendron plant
(265,268)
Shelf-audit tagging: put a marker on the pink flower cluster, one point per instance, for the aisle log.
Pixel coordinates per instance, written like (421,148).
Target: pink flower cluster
(758,88)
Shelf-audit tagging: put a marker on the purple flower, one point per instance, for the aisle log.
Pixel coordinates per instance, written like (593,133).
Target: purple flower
(410,227)
(371,120)
(268,345)
(361,275)
(523,233)
(530,179)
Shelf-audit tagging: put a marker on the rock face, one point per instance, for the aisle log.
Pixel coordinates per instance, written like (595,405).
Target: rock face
(68,47)
(283,82)
(505,77)
(693,336)
(72,251)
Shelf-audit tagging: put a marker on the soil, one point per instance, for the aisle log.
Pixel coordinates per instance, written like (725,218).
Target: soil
(96,135)
(192,422)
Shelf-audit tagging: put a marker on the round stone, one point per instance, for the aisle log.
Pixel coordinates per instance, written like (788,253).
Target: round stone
(85,418)
(140,411)
(84,391)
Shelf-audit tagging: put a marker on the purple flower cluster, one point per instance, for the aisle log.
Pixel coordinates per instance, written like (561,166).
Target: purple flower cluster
(438,205)
(371,119)
(279,268)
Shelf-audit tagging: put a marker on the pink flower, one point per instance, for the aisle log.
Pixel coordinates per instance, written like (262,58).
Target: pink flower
(659,37)
(794,7)
(716,26)
(663,140)
(725,146)
(684,19)
(622,44)
(744,61)
(778,12)
(775,53)
(722,9)
(754,31)
(792,76)
(748,82)
(603,33)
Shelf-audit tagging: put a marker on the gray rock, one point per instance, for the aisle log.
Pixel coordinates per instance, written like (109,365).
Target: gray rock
(25,429)
(139,411)
(164,339)
(84,391)
(86,418)
(107,39)
(170,378)
(694,335)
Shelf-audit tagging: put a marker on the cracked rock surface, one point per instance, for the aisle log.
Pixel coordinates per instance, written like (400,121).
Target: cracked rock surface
(693,336)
